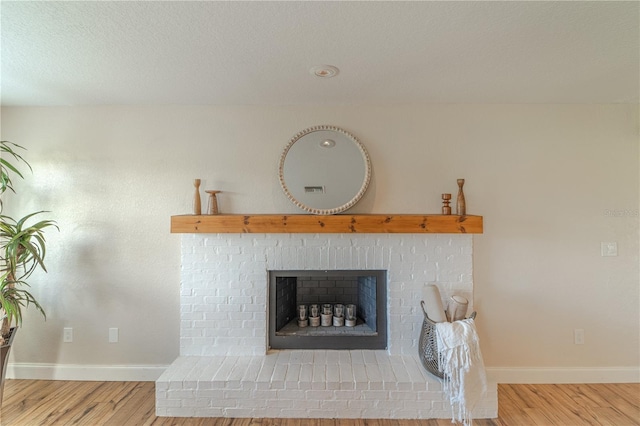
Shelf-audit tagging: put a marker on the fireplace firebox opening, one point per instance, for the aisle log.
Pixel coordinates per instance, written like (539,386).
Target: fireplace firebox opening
(315,309)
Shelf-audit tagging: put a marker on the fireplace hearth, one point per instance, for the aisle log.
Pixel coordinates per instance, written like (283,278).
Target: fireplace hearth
(229,368)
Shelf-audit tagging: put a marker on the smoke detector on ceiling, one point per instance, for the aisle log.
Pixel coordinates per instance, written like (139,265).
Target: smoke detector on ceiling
(325,71)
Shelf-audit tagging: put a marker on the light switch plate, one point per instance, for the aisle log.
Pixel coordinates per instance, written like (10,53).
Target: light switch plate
(609,249)
(113,335)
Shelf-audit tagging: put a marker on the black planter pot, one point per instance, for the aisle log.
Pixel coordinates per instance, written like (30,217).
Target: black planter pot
(4,358)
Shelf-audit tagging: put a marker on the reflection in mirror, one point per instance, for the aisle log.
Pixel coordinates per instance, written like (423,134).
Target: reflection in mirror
(324,170)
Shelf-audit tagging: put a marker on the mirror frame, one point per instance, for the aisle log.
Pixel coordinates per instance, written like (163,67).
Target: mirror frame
(337,209)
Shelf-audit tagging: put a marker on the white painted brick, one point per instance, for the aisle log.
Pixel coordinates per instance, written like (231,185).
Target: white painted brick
(405,413)
(403,395)
(237,394)
(334,405)
(333,357)
(283,357)
(319,377)
(208,412)
(308,404)
(255,404)
(321,414)
(374,413)
(390,385)
(194,332)
(179,412)
(276,385)
(333,385)
(224,292)
(376,385)
(356,357)
(359,404)
(238,412)
(265,242)
(319,357)
(291,378)
(440,405)
(345,395)
(344,385)
(388,405)
(168,403)
(377,395)
(320,394)
(332,377)
(360,374)
(373,373)
(277,379)
(210,394)
(294,413)
(196,402)
(292,394)
(269,412)
(290,242)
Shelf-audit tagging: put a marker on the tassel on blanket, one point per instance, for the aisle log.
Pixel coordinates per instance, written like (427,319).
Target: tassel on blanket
(460,360)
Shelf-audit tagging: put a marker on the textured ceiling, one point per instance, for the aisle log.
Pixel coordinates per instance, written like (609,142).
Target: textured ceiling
(222,53)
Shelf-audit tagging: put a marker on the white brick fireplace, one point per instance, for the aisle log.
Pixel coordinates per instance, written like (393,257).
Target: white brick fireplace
(226,369)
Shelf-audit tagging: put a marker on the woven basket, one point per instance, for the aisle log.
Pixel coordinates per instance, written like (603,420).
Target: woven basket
(428,345)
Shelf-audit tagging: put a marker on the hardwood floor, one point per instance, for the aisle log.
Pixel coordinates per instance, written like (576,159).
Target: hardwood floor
(41,402)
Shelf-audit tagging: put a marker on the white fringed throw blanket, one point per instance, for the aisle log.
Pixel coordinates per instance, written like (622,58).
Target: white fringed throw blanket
(460,360)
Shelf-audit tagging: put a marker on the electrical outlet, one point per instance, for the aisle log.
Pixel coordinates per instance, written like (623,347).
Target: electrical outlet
(578,336)
(113,335)
(67,335)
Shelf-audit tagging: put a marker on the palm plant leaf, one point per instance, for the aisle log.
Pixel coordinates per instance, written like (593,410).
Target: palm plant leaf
(7,149)
(22,245)
(15,298)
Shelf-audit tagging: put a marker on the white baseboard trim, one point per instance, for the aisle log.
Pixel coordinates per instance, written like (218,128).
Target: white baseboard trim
(103,373)
(521,375)
(150,373)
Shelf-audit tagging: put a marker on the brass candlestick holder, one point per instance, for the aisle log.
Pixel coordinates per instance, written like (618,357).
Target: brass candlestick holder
(446,199)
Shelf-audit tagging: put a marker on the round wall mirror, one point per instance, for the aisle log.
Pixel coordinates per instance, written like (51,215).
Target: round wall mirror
(324,170)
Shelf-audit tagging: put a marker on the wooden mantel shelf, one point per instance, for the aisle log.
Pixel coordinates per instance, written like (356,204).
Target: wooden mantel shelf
(334,224)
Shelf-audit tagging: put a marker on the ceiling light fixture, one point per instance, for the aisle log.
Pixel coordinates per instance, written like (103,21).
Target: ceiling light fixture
(325,71)
(328,143)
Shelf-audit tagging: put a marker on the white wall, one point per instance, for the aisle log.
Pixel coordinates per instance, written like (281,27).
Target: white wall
(544,178)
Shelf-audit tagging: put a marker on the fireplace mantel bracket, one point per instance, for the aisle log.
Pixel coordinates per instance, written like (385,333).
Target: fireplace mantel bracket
(334,224)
